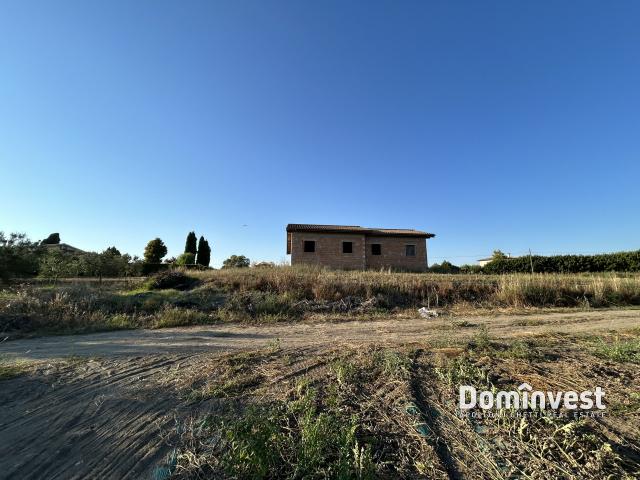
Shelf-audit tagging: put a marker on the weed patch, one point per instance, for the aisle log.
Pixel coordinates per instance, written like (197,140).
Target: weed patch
(9,369)
(177,317)
(619,350)
(288,439)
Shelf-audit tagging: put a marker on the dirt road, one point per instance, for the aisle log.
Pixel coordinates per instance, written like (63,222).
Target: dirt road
(190,340)
(108,410)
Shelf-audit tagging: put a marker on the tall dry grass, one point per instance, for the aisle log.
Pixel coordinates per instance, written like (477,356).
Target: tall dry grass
(409,289)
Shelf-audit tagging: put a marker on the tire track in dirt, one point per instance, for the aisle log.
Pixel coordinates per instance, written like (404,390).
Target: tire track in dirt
(429,415)
(99,425)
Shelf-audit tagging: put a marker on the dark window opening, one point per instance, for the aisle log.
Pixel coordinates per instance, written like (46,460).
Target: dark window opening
(376,249)
(410,250)
(309,246)
(347,247)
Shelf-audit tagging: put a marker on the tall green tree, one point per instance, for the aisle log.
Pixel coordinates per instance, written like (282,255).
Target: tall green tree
(190,245)
(113,251)
(19,256)
(154,251)
(204,253)
(55,264)
(236,261)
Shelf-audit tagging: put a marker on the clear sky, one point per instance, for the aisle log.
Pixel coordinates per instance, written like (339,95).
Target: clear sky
(494,124)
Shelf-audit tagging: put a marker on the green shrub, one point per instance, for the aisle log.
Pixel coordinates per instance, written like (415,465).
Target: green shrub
(626,351)
(259,305)
(184,259)
(174,279)
(444,267)
(177,317)
(121,322)
(295,440)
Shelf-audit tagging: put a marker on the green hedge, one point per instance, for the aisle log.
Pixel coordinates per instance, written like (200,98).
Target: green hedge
(609,262)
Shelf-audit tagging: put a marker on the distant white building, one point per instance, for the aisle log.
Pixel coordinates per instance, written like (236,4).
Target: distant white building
(483,261)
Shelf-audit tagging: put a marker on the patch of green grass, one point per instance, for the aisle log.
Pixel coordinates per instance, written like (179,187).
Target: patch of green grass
(265,307)
(481,341)
(140,289)
(293,439)
(392,363)
(461,371)
(230,388)
(346,372)
(631,405)
(519,349)
(624,351)
(274,346)
(12,369)
(180,317)
(121,322)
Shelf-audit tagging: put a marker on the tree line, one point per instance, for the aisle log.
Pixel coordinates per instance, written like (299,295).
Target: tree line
(197,254)
(21,257)
(501,264)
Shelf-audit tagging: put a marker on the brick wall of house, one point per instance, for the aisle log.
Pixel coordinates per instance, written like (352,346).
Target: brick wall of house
(393,253)
(329,251)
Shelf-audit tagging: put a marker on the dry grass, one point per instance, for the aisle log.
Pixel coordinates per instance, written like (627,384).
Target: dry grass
(263,295)
(433,290)
(11,368)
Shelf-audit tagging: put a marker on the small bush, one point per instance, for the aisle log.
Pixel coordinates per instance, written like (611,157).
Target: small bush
(346,372)
(619,350)
(177,317)
(171,279)
(186,258)
(259,305)
(121,322)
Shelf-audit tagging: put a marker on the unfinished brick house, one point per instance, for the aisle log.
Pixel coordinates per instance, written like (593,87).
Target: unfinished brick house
(354,247)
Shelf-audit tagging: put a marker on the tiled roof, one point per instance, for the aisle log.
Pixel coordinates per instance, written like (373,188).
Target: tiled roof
(390,232)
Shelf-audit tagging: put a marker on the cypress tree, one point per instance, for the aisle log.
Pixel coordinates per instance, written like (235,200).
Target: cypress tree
(190,246)
(204,253)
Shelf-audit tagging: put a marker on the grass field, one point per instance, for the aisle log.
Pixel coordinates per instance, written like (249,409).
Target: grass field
(261,295)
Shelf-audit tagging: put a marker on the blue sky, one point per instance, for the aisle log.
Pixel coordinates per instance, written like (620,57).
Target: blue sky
(510,125)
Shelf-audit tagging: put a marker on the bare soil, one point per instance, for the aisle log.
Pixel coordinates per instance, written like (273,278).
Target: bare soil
(107,405)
